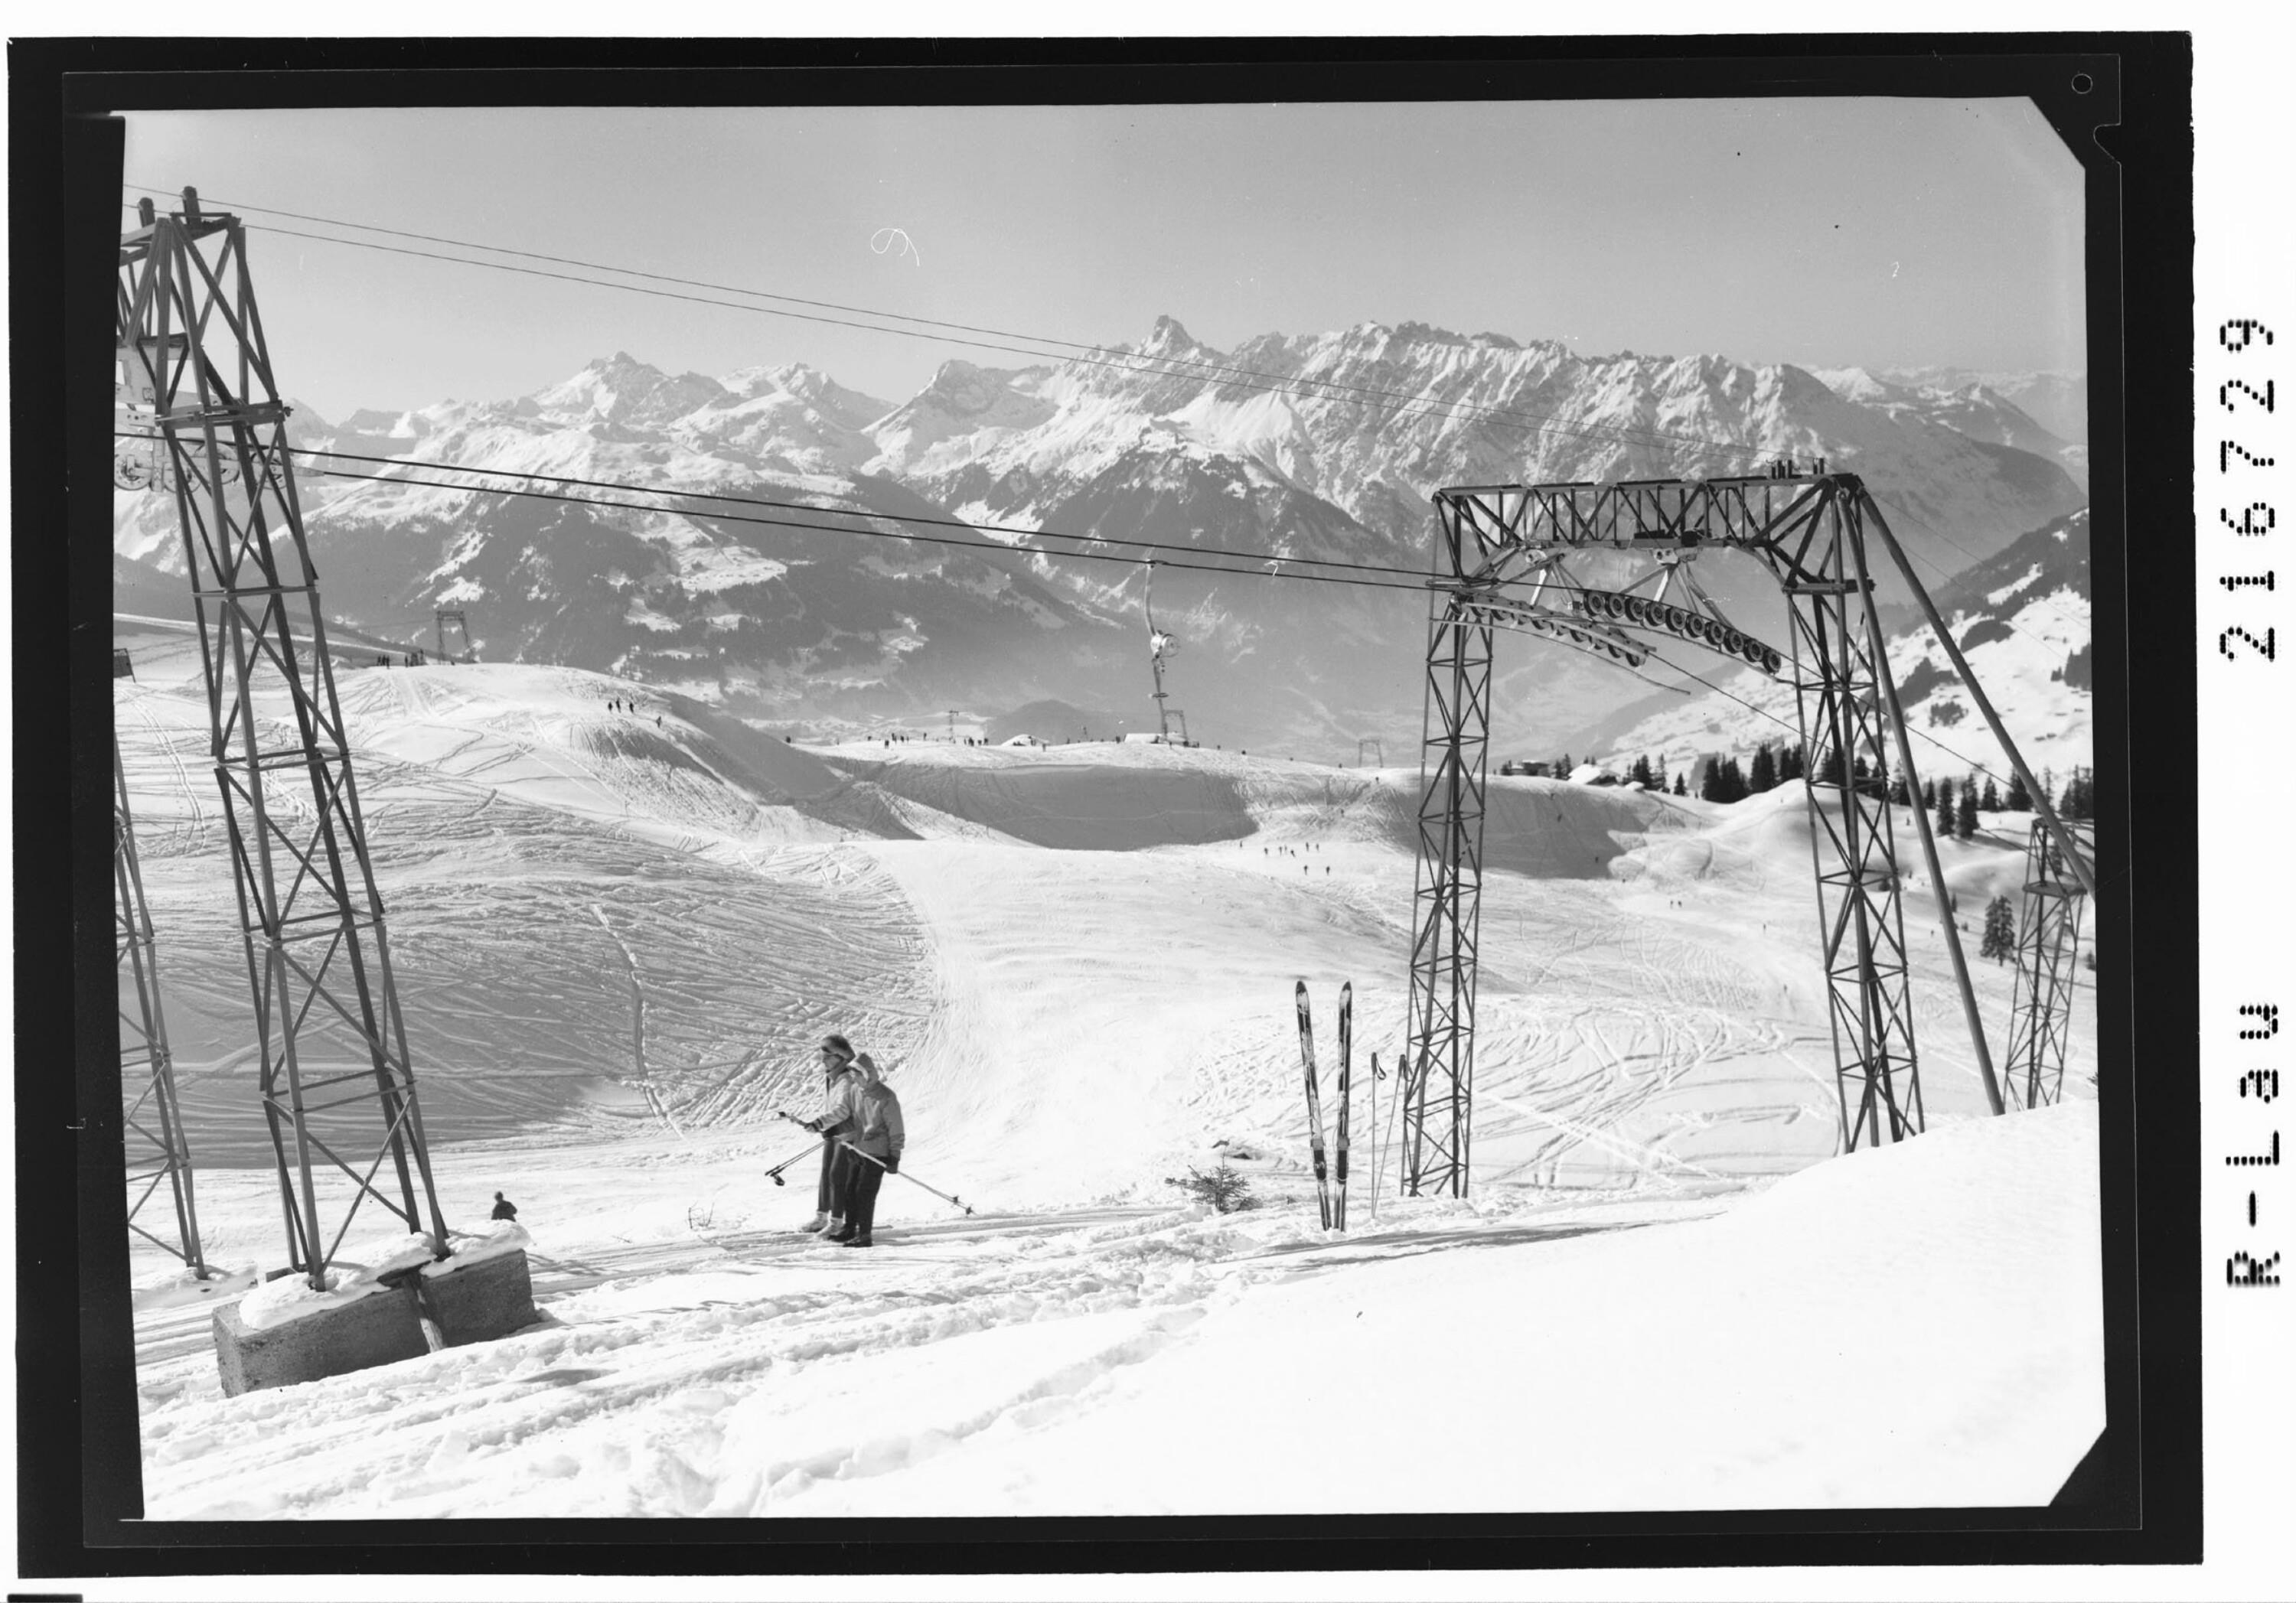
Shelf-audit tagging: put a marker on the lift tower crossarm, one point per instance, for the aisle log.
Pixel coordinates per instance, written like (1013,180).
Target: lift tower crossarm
(1509,527)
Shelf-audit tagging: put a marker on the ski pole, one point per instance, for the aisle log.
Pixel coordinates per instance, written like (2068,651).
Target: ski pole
(912,1180)
(880,1163)
(1374,1138)
(775,1173)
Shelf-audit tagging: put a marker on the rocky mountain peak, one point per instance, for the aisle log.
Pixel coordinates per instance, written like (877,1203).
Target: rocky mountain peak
(620,388)
(1169,338)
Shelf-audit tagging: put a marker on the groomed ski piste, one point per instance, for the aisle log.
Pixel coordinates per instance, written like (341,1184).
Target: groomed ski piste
(1076,964)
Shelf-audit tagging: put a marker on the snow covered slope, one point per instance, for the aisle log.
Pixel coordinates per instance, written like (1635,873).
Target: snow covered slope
(1076,964)
(1619,1353)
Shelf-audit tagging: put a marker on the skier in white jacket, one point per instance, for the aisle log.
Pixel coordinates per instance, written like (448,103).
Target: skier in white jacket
(874,1130)
(837,1065)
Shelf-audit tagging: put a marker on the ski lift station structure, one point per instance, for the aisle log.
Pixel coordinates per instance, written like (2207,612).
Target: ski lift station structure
(1503,559)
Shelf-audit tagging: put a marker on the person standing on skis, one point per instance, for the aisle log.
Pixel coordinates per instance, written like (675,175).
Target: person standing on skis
(837,1086)
(873,1151)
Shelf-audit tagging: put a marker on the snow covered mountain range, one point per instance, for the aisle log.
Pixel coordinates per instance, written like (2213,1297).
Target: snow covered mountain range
(790,605)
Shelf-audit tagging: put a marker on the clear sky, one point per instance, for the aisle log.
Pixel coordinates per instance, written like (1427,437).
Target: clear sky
(1827,233)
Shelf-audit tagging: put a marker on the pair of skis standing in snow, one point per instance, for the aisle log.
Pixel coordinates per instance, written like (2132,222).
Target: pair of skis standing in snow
(1332,1209)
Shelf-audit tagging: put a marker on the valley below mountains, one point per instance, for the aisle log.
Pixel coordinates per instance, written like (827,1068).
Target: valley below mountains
(854,562)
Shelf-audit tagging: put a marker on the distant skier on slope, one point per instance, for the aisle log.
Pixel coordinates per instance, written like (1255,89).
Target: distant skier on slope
(504,1208)
(876,1132)
(836,1065)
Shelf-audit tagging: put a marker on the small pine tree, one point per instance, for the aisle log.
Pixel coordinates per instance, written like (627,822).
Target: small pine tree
(2019,799)
(1897,789)
(1641,772)
(1710,788)
(1563,766)
(2000,930)
(1929,794)
(1679,788)
(1226,1190)
(1765,774)
(1790,764)
(1945,809)
(1990,802)
(1734,780)
(1965,818)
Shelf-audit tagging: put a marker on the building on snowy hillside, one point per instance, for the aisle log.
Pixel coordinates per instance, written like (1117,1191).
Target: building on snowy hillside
(1537,771)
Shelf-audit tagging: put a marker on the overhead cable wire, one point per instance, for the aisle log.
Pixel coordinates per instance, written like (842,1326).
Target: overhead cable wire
(1419,581)
(852,511)
(1079,351)
(941,522)
(990,546)
(1420,585)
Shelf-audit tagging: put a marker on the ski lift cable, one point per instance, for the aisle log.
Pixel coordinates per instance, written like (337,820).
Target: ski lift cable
(1092,354)
(990,546)
(1418,579)
(994,546)
(1419,585)
(1532,422)
(805,506)
(439,465)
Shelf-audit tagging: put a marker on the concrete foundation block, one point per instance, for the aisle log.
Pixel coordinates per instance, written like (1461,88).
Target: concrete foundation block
(381,1329)
(481,1301)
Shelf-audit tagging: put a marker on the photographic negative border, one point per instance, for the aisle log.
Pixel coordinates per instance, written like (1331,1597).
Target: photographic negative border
(2137,1498)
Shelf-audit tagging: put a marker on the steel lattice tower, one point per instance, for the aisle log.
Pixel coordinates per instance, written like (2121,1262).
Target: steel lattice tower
(1502,560)
(1439,1067)
(2048,940)
(1861,922)
(336,1082)
(152,1125)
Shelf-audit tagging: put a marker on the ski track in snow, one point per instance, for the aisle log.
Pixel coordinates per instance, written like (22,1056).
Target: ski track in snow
(740,1337)
(1068,1029)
